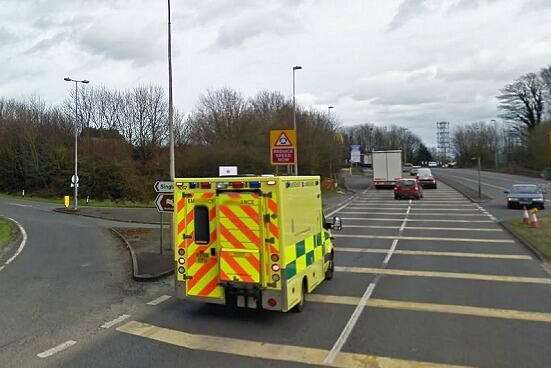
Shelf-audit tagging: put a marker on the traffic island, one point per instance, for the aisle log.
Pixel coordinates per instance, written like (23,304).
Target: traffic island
(149,260)
(537,239)
(134,215)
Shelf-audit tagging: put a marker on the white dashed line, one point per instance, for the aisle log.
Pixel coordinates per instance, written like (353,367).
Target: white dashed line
(56,349)
(159,300)
(115,321)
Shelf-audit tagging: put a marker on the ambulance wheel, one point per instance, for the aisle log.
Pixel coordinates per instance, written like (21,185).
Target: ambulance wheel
(300,306)
(331,268)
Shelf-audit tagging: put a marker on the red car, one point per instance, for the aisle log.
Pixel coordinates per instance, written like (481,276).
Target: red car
(426,179)
(408,188)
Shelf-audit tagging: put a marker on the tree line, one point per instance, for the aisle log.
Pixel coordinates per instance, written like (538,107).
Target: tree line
(519,140)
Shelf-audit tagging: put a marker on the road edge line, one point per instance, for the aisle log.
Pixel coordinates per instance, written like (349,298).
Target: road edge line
(23,233)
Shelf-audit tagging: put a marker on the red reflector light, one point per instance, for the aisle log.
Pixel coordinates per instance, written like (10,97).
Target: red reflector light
(237,184)
(205,185)
(272,302)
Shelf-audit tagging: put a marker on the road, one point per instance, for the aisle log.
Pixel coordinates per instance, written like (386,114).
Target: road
(492,184)
(433,281)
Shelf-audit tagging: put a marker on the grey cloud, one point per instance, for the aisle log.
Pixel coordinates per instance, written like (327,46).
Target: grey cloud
(536,5)
(7,37)
(46,44)
(407,11)
(141,47)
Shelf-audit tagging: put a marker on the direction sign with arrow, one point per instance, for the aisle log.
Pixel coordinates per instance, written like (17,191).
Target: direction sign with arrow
(165,202)
(164,187)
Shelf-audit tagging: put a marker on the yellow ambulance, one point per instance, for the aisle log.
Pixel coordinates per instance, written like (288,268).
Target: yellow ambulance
(254,242)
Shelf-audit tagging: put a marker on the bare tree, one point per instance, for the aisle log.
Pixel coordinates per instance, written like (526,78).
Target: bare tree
(522,103)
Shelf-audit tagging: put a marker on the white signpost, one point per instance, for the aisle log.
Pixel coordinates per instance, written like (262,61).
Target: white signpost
(73,181)
(164,187)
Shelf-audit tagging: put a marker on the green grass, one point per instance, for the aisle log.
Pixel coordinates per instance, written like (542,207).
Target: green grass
(81,202)
(538,238)
(6,232)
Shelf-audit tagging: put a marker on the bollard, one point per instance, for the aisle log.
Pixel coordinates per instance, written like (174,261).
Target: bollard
(525,216)
(66,201)
(534,222)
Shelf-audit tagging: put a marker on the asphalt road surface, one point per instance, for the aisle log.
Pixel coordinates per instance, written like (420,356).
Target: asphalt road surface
(432,281)
(492,184)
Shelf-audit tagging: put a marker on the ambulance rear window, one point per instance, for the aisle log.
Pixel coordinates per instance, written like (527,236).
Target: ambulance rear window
(202,231)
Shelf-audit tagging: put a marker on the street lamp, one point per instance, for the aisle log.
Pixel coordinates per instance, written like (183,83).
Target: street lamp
(295,68)
(329,110)
(170,99)
(496,143)
(479,183)
(84,81)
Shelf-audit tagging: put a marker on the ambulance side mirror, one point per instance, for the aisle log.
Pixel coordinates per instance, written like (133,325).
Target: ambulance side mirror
(337,224)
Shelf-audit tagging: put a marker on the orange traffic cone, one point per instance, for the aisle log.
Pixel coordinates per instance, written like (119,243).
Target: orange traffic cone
(534,222)
(525,216)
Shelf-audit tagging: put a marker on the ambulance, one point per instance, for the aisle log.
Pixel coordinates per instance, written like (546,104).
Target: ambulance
(251,242)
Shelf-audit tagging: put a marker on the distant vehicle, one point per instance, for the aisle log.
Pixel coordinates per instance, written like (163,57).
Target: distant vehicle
(407,167)
(426,179)
(525,195)
(387,168)
(413,170)
(433,164)
(408,188)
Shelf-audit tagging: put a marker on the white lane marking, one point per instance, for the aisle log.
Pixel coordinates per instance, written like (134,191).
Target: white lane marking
(115,321)
(497,230)
(442,239)
(20,205)
(159,300)
(417,220)
(415,208)
(56,349)
(419,213)
(21,245)
(390,252)
(337,347)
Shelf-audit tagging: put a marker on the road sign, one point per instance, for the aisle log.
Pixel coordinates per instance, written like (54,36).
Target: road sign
(227,171)
(73,179)
(355,154)
(164,187)
(283,147)
(165,202)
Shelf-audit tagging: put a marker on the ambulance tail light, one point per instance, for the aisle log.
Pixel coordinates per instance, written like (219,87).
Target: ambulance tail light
(272,302)
(274,258)
(237,184)
(271,182)
(221,185)
(275,267)
(254,185)
(192,185)
(205,185)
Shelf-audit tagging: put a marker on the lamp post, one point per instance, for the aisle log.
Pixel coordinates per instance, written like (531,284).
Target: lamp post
(479,183)
(329,108)
(170,99)
(67,79)
(295,68)
(496,144)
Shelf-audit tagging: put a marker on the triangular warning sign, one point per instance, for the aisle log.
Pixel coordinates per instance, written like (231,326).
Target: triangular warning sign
(283,141)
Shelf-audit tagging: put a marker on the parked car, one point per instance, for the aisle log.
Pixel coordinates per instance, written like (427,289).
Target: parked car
(413,170)
(408,188)
(525,195)
(425,178)
(407,167)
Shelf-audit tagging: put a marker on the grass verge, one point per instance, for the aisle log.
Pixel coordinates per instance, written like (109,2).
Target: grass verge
(6,232)
(82,201)
(539,239)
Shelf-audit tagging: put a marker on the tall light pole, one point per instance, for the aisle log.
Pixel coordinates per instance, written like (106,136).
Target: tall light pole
(67,79)
(329,108)
(496,144)
(295,68)
(170,99)
(479,181)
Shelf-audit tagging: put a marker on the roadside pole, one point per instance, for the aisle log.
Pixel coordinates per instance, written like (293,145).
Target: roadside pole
(479,184)
(161,233)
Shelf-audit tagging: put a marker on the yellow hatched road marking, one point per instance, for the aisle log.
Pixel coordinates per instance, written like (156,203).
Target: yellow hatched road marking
(262,350)
(437,254)
(391,237)
(436,308)
(426,228)
(447,275)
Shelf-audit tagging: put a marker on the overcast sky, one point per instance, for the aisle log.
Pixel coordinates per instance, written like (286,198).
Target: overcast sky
(408,62)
